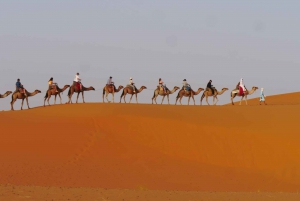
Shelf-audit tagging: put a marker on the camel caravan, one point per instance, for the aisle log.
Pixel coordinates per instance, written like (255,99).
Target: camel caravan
(132,90)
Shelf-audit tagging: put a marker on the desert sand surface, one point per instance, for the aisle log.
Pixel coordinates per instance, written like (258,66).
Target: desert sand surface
(152,152)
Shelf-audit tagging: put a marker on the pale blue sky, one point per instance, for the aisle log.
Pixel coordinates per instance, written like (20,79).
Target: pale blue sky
(222,40)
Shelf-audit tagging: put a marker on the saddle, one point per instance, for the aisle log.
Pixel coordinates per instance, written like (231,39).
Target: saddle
(78,86)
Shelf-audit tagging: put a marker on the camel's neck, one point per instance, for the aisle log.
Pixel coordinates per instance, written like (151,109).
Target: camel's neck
(172,91)
(4,95)
(141,89)
(118,89)
(197,92)
(87,89)
(251,92)
(65,87)
(221,92)
(31,94)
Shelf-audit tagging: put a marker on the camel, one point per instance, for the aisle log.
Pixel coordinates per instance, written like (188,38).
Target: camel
(208,93)
(128,90)
(157,92)
(235,93)
(74,89)
(5,94)
(51,92)
(189,94)
(19,95)
(108,90)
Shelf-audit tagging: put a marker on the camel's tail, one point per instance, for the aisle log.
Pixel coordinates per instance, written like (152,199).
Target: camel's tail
(46,96)
(153,95)
(69,92)
(103,91)
(202,96)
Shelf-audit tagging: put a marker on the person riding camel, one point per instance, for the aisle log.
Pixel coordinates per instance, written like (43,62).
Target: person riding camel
(161,85)
(77,82)
(131,83)
(110,83)
(20,88)
(242,87)
(209,85)
(186,86)
(52,85)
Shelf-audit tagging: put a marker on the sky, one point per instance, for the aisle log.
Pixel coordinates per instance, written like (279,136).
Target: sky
(197,40)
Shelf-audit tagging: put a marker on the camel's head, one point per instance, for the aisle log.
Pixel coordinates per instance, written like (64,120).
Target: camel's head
(143,87)
(37,91)
(121,87)
(200,89)
(176,88)
(67,86)
(224,89)
(254,88)
(8,92)
(92,88)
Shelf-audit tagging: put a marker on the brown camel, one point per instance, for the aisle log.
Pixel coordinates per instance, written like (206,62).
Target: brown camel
(129,90)
(109,90)
(208,93)
(160,92)
(189,94)
(236,92)
(19,95)
(74,89)
(5,94)
(53,92)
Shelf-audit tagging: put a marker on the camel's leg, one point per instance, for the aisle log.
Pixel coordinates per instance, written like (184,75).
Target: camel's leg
(130,98)
(48,100)
(168,99)
(60,98)
(12,102)
(189,100)
(82,94)
(246,100)
(193,100)
(77,97)
(55,98)
(136,98)
(22,104)
(217,100)
(206,98)
(180,100)
(163,99)
(176,100)
(106,96)
(124,98)
(103,96)
(113,97)
(241,100)
(27,102)
(45,102)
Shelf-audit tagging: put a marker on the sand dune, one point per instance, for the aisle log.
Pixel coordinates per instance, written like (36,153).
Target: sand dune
(154,147)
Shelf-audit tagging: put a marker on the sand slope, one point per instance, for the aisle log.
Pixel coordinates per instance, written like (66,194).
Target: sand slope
(281,99)
(129,146)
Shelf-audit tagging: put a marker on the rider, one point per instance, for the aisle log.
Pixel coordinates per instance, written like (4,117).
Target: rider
(161,84)
(242,87)
(110,83)
(209,85)
(52,85)
(20,88)
(132,84)
(186,86)
(77,81)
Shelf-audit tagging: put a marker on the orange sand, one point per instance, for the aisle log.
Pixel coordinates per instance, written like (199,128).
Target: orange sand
(154,147)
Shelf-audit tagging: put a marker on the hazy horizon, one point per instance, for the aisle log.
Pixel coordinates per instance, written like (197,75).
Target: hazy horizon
(175,40)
